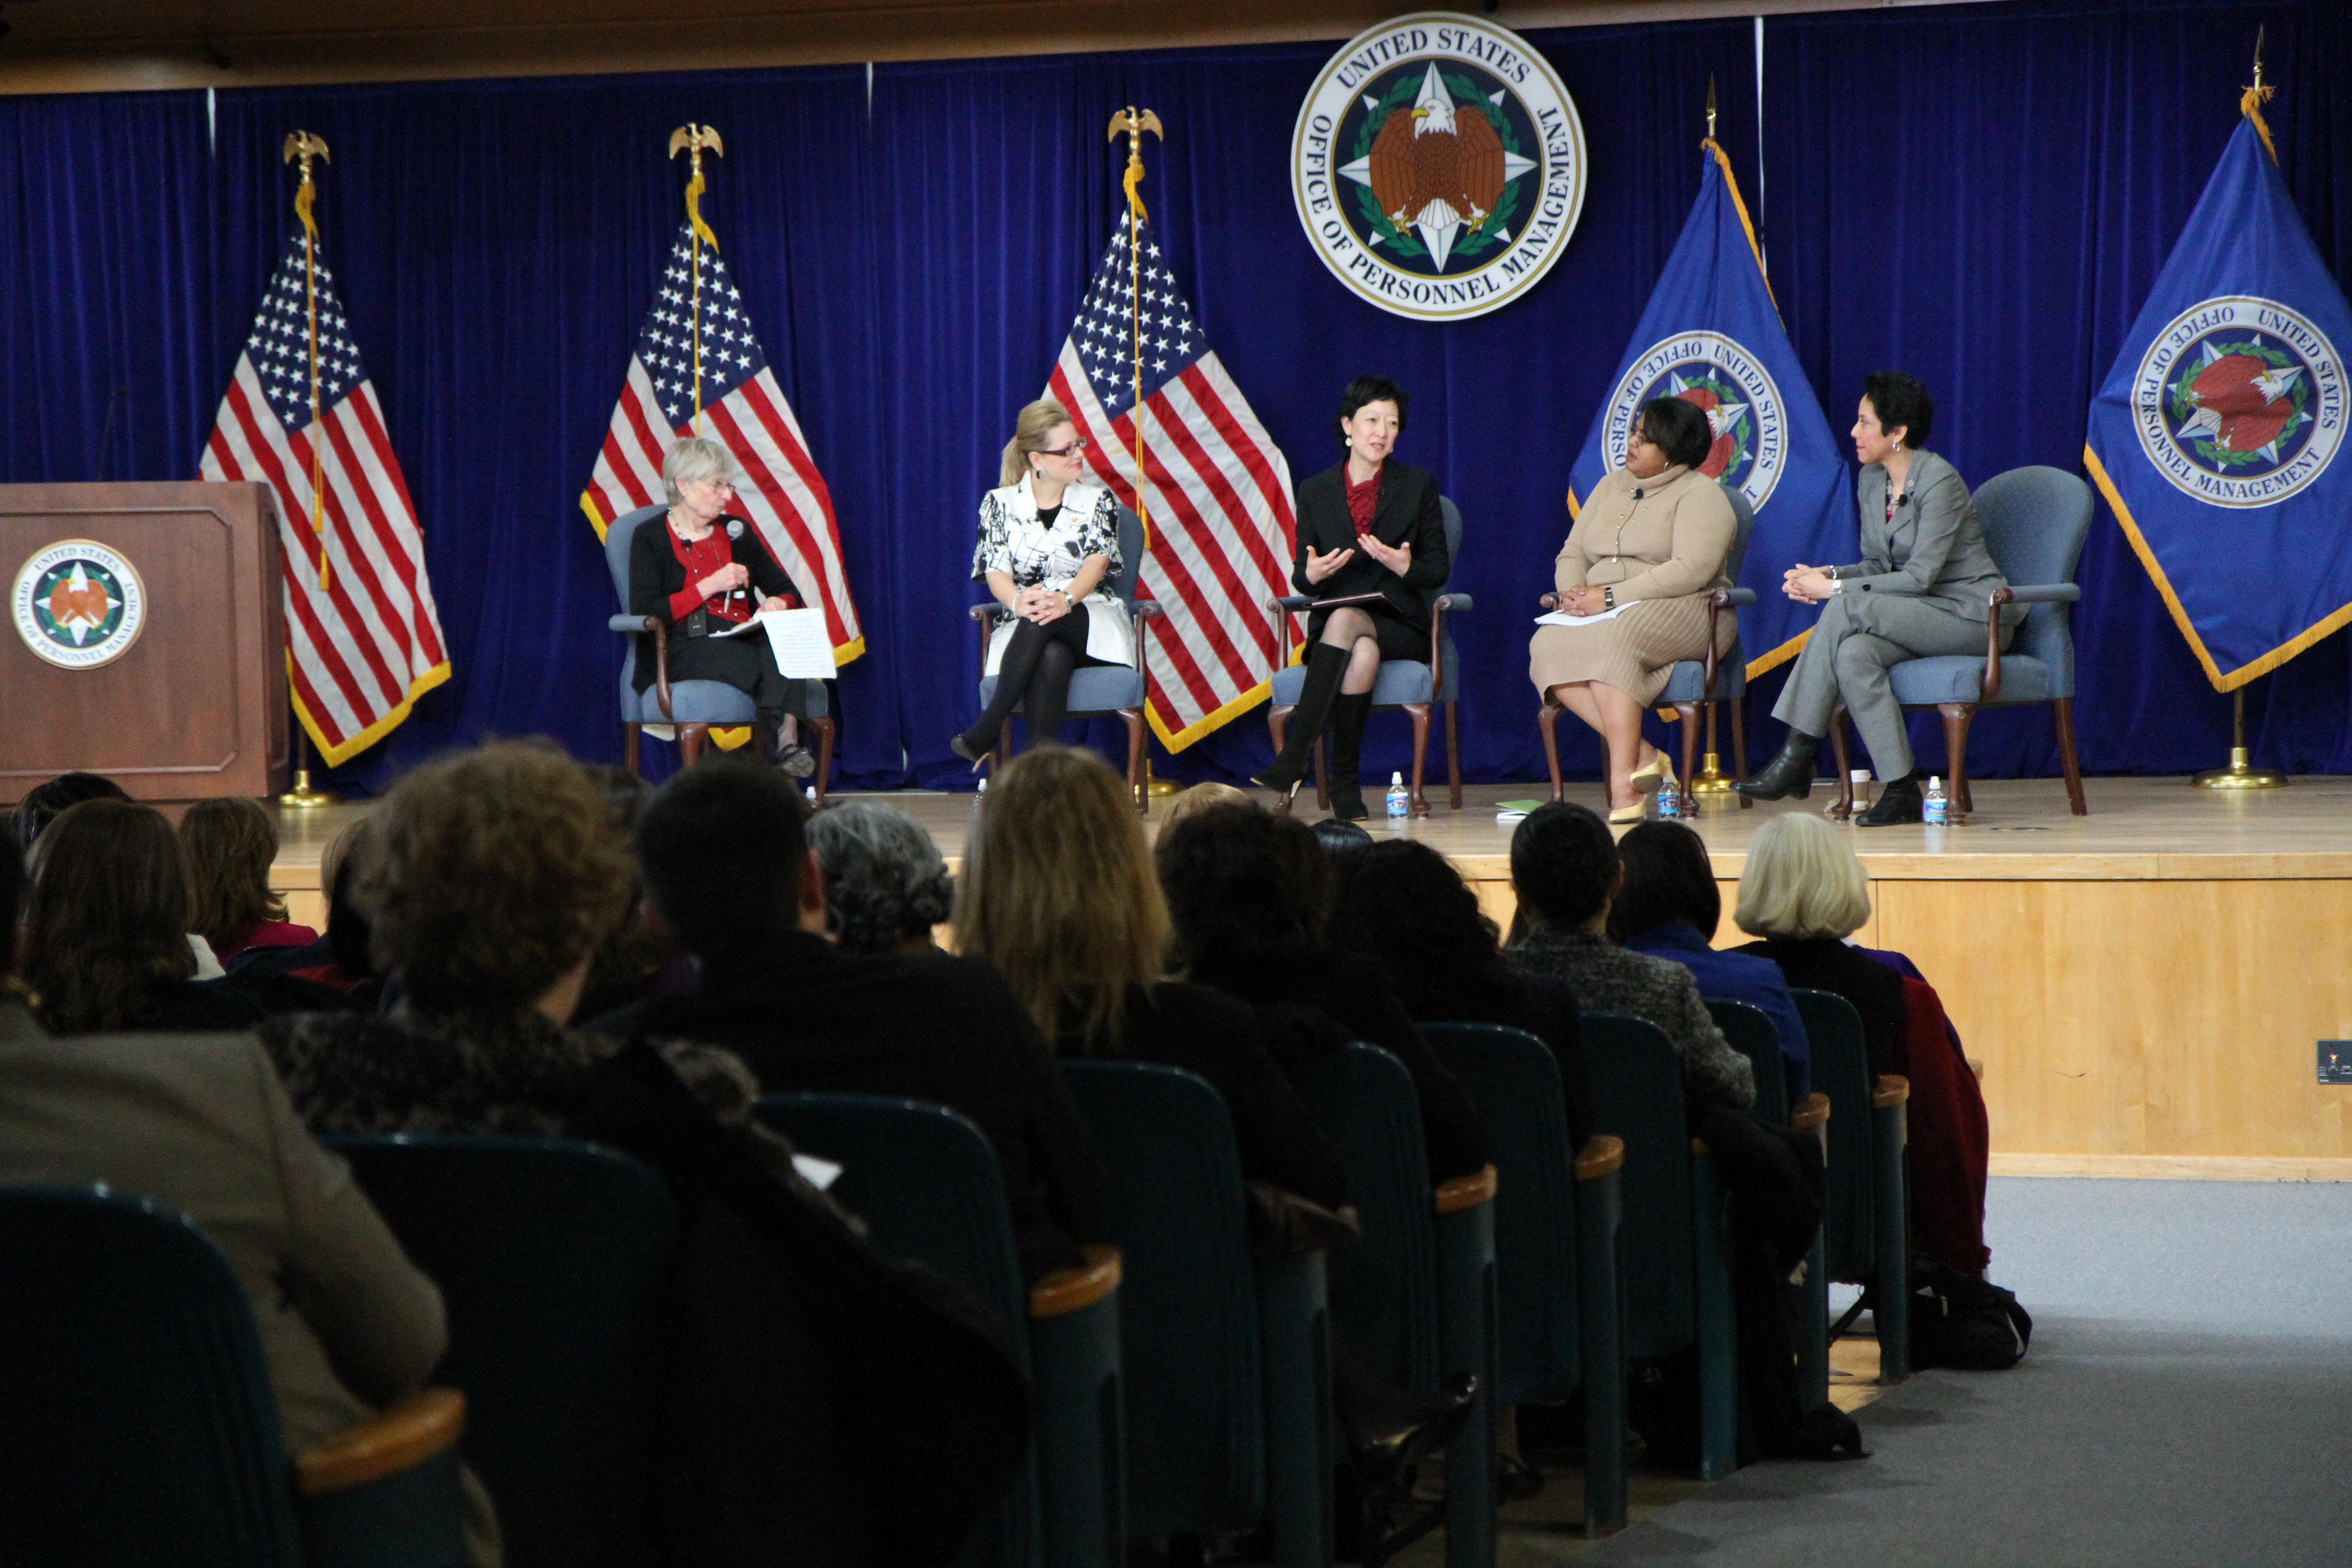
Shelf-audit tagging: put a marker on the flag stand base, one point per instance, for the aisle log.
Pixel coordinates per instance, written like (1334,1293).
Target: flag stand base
(303,797)
(1711,780)
(1157,787)
(2241,773)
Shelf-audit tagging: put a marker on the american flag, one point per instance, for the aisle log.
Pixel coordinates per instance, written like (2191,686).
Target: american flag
(743,410)
(365,643)
(1221,509)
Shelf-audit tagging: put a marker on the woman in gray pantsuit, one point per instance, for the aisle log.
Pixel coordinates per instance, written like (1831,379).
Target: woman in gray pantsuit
(1924,586)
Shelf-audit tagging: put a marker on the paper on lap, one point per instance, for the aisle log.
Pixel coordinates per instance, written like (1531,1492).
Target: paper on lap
(1562,618)
(798,638)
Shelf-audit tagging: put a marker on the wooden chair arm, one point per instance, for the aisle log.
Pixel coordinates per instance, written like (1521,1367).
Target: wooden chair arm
(1603,1155)
(1067,1291)
(1466,1191)
(402,1437)
(661,666)
(1437,646)
(1991,684)
(1815,1112)
(985,613)
(1698,1146)
(1548,602)
(1891,1090)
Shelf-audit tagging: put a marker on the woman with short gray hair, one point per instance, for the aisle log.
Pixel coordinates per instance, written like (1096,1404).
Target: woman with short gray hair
(884,884)
(703,572)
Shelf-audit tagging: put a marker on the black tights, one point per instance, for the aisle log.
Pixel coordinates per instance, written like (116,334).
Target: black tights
(1037,665)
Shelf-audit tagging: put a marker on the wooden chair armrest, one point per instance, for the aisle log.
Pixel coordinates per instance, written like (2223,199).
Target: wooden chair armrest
(984,613)
(661,666)
(1466,1191)
(1891,1090)
(1145,609)
(402,1437)
(1815,1112)
(1067,1291)
(1991,687)
(1698,1146)
(1603,1155)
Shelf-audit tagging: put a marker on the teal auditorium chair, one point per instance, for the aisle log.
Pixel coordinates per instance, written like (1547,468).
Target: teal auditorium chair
(1867,1224)
(1411,684)
(2034,519)
(692,707)
(1226,1358)
(1556,1217)
(1100,688)
(1415,1299)
(1677,1252)
(926,1182)
(1693,683)
(137,1423)
(1752,1034)
(550,1253)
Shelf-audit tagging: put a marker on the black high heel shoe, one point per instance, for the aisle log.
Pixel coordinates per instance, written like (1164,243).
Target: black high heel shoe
(1788,777)
(962,747)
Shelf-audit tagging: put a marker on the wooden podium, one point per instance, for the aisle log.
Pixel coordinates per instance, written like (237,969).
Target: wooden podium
(168,677)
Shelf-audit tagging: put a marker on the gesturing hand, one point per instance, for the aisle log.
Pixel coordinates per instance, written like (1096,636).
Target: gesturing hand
(1397,558)
(728,578)
(1321,565)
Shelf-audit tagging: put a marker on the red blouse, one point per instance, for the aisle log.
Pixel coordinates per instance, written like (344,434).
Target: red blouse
(700,558)
(1364,499)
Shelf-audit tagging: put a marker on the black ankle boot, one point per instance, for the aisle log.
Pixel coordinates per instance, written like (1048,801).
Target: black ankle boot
(1788,777)
(1325,666)
(1348,716)
(1898,802)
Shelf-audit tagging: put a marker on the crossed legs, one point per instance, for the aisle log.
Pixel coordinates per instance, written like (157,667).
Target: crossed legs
(1611,711)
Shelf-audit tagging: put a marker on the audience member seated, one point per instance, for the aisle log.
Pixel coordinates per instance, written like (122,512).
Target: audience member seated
(1061,897)
(1250,893)
(886,887)
(107,944)
(637,958)
(1340,839)
(1199,797)
(1800,895)
(1803,891)
(231,844)
(1404,904)
(1565,869)
(490,877)
(201,1124)
(1670,907)
(44,803)
(727,865)
(339,960)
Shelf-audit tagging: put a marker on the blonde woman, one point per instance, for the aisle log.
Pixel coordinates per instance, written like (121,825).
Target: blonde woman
(1048,541)
(1801,895)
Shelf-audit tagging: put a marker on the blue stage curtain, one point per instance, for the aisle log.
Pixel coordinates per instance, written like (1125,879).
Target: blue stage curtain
(1979,194)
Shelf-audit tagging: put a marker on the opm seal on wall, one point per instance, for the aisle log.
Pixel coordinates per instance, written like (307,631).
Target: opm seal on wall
(1731,387)
(2239,401)
(78,603)
(1438,167)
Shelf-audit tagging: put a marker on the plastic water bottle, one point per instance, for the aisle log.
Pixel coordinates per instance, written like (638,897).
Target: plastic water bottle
(1400,803)
(1934,808)
(1670,802)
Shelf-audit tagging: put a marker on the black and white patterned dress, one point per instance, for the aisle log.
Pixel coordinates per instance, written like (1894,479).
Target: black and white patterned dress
(1013,541)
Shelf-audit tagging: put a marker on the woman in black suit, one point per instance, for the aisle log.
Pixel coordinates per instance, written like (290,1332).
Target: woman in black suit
(1369,528)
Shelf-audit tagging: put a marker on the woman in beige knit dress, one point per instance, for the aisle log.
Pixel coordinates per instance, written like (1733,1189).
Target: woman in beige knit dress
(1653,536)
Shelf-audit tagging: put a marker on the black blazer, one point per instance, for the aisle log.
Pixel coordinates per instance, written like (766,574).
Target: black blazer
(656,573)
(1826,964)
(1408,512)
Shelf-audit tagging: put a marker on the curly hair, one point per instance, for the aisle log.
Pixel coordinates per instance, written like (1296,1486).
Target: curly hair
(107,927)
(1244,885)
(489,874)
(884,884)
(230,844)
(1404,903)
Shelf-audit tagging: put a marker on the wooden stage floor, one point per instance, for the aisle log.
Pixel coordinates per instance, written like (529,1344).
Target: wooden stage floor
(2147,986)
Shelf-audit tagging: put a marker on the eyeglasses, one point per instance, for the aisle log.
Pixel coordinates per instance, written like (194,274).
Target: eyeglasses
(727,485)
(1080,445)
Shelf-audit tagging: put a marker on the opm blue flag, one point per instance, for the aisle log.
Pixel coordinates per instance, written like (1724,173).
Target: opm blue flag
(2217,433)
(1711,334)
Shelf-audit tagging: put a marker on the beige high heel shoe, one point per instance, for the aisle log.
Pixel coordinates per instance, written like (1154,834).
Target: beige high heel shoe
(1654,774)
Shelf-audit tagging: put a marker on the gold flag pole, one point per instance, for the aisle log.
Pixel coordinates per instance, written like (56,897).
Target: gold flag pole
(1134,124)
(304,146)
(1710,780)
(691,139)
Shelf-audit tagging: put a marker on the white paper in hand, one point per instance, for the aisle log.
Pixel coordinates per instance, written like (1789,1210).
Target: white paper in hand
(798,638)
(1562,618)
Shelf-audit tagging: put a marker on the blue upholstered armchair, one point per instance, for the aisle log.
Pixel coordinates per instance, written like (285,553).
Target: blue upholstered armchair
(1694,682)
(2034,520)
(690,707)
(1407,683)
(1098,688)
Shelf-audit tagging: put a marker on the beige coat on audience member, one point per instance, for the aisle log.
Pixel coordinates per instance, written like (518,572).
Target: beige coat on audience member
(1661,541)
(201,1124)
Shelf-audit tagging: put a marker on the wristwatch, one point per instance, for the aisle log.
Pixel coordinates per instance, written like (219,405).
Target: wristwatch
(1607,598)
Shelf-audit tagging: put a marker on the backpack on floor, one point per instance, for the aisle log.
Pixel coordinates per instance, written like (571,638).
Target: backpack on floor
(1961,1321)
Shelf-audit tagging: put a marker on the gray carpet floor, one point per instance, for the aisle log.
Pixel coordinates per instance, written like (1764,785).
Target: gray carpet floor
(2190,1375)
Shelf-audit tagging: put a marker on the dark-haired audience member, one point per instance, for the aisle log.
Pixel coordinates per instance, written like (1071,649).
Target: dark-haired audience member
(725,853)
(339,960)
(231,843)
(637,958)
(1802,894)
(1565,869)
(199,1124)
(1404,904)
(1340,840)
(105,944)
(886,885)
(1250,894)
(45,803)
(1669,907)
(491,875)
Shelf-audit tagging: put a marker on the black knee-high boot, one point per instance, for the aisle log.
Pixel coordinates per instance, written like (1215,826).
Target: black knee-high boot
(1325,666)
(1013,672)
(1348,715)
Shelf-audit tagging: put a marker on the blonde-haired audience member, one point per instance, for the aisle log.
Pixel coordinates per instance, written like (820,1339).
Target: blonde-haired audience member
(1199,797)
(1801,895)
